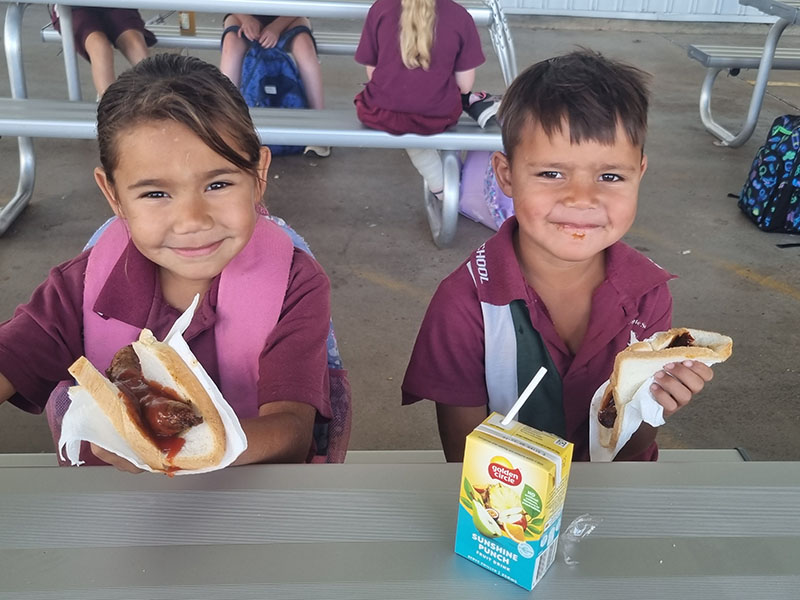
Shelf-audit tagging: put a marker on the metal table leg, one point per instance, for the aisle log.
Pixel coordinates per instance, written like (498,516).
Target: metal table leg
(443,215)
(502,41)
(16,77)
(70,55)
(727,138)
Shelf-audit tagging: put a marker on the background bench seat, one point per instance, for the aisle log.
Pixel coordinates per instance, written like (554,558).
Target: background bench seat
(208,38)
(30,118)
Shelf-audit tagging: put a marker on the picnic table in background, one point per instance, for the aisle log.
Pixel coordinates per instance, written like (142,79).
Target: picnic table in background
(766,58)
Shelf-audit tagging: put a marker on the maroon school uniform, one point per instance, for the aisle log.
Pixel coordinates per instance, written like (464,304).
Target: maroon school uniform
(401,100)
(45,336)
(113,22)
(447,363)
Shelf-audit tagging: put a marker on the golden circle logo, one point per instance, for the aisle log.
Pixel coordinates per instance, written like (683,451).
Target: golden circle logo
(501,469)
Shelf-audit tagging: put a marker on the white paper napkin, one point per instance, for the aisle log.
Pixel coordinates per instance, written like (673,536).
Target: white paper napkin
(643,407)
(84,420)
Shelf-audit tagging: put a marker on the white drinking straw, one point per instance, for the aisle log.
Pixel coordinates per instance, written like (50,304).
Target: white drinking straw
(524,396)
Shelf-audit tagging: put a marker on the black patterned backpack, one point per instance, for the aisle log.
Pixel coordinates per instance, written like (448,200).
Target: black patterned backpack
(771,195)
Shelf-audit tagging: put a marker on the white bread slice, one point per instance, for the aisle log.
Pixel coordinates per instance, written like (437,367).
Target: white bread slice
(641,360)
(204,444)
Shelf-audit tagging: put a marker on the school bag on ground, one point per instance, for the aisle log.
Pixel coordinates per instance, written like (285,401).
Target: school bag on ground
(270,78)
(771,195)
(481,198)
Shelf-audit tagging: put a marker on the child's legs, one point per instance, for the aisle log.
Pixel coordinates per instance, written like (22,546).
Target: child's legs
(305,55)
(429,164)
(125,27)
(101,58)
(233,50)
(132,45)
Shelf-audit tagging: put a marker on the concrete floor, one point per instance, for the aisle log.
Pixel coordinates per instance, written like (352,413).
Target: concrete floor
(361,211)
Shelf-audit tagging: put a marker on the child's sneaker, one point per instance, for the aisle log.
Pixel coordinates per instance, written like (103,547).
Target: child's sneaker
(321,151)
(483,107)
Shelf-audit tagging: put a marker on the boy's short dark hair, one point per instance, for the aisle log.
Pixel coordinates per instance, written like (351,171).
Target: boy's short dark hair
(589,92)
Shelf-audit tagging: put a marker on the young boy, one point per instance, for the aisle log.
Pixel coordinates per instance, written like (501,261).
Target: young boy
(554,286)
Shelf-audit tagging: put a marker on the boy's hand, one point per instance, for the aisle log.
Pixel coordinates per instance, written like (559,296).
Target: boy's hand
(678,382)
(114,460)
(268,38)
(250,27)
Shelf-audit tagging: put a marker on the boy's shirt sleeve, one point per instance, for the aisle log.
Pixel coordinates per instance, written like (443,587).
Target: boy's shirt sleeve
(447,363)
(44,337)
(294,363)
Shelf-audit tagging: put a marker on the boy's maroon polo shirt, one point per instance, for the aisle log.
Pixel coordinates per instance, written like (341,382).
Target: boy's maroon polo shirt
(447,363)
(45,336)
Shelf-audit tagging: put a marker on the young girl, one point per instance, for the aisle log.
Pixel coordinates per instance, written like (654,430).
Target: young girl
(184,172)
(99,30)
(266,30)
(421,57)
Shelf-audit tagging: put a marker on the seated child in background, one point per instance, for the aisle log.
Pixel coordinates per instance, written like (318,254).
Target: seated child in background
(98,30)
(555,286)
(266,30)
(184,171)
(420,57)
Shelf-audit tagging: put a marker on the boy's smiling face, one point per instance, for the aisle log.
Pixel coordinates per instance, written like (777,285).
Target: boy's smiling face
(572,201)
(188,209)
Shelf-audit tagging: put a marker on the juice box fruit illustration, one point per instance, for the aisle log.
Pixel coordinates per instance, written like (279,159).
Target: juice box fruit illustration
(513,486)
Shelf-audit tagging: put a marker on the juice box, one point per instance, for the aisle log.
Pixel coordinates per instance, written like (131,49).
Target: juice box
(512,495)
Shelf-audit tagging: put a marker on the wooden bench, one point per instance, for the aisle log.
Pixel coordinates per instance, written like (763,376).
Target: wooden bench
(31,118)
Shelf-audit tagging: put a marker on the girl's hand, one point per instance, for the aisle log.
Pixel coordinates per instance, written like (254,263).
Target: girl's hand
(678,382)
(250,27)
(268,38)
(114,460)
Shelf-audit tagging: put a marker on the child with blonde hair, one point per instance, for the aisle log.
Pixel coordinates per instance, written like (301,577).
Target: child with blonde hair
(420,57)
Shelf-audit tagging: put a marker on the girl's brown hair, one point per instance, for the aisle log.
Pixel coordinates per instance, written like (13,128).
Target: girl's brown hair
(417,21)
(183,89)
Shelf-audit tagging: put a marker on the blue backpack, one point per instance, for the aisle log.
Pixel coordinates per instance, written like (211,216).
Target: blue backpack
(771,195)
(270,78)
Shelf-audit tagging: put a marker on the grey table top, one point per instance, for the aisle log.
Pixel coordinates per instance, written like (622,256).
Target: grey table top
(668,530)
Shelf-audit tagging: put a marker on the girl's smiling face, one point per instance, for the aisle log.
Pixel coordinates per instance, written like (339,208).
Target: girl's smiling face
(188,209)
